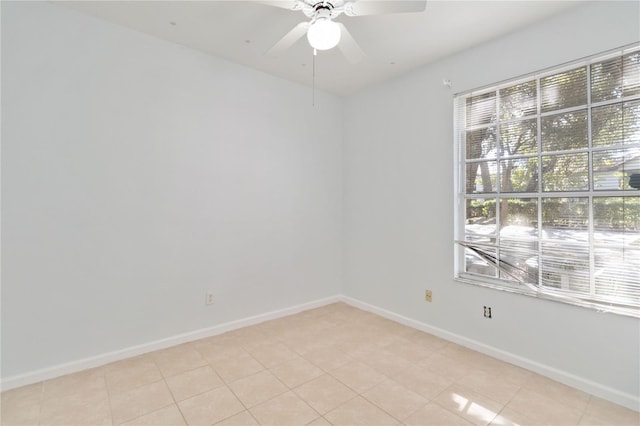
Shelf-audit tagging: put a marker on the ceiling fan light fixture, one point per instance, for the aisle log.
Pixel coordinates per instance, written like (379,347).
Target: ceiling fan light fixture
(323,34)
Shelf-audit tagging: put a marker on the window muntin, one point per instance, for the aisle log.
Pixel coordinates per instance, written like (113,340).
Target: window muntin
(545,203)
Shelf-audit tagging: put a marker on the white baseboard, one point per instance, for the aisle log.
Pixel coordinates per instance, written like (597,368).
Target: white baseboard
(593,388)
(585,385)
(106,358)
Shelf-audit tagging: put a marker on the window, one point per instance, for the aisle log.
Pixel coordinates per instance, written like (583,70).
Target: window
(546,168)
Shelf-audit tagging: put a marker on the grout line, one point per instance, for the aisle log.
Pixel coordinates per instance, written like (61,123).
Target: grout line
(343,403)
(453,412)
(363,396)
(41,402)
(106,388)
(302,353)
(520,387)
(416,410)
(586,408)
(175,402)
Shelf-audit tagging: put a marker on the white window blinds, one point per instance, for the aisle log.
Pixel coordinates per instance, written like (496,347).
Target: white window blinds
(546,204)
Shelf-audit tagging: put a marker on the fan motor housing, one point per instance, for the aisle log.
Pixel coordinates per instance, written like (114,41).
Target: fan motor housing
(320,9)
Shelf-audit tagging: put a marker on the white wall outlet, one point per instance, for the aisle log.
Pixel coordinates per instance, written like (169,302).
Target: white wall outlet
(209,299)
(487,311)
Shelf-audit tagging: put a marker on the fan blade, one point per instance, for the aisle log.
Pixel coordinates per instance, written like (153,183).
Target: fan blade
(379,7)
(289,39)
(284,4)
(348,46)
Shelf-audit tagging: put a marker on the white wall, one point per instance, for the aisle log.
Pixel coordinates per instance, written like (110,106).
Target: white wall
(398,166)
(137,175)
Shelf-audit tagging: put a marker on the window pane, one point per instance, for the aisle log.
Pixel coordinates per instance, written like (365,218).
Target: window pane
(616,221)
(519,138)
(631,123)
(481,143)
(481,177)
(606,123)
(565,266)
(519,175)
(480,220)
(617,274)
(565,248)
(615,78)
(481,109)
(564,131)
(565,219)
(519,239)
(631,74)
(617,256)
(518,101)
(616,124)
(477,265)
(518,261)
(565,172)
(611,169)
(564,90)
(519,218)
(606,80)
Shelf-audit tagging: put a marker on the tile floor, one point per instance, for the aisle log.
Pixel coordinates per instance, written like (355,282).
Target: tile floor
(335,365)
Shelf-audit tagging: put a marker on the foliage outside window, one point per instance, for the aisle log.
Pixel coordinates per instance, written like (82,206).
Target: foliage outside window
(545,206)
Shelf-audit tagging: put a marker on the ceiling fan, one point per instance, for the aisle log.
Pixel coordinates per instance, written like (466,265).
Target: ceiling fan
(323,33)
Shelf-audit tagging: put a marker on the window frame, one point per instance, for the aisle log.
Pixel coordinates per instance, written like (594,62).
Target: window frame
(460,128)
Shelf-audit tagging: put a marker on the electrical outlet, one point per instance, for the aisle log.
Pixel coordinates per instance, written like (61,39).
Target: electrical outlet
(428,296)
(209,299)
(487,312)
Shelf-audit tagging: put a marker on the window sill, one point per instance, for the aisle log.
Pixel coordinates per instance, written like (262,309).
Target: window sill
(567,300)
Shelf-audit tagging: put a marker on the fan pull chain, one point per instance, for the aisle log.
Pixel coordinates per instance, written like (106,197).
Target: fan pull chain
(313,87)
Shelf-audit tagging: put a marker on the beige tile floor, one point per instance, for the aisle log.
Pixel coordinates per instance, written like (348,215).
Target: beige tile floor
(335,365)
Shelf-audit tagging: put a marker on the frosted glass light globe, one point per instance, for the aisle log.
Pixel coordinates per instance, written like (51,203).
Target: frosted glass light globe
(323,34)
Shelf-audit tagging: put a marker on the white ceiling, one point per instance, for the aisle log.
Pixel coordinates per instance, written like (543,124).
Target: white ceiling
(242,31)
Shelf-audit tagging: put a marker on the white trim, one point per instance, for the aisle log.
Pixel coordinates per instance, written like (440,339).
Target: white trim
(613,395)
(618,397)
(612,302)
(106,358)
